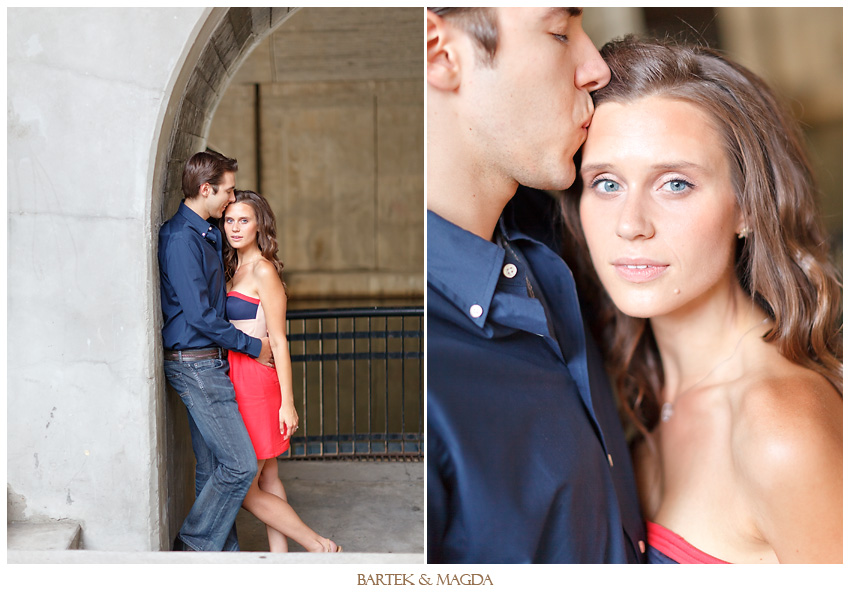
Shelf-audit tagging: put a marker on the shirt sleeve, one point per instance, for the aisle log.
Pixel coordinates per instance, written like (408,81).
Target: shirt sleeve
(186,275)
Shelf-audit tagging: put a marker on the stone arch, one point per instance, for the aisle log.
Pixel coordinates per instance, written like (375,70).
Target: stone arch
(216,49)
(224,38)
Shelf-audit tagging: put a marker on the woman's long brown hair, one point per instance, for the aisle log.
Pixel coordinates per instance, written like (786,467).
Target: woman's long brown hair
(266,234)
(783,264)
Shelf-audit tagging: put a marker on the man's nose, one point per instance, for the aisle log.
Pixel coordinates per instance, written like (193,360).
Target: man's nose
(592,72)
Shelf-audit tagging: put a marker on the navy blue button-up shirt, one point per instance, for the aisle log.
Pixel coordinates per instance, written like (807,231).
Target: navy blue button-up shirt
(527,462)
(192,287)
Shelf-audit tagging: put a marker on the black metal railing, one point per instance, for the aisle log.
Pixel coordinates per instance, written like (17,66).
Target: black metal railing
(358,383)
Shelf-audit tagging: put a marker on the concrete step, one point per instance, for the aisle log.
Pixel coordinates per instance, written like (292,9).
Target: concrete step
(39,536)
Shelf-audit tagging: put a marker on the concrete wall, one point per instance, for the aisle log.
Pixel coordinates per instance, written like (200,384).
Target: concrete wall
(87,96)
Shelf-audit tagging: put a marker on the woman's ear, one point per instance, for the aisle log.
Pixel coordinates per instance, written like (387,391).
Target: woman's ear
(741,228)
(443,67)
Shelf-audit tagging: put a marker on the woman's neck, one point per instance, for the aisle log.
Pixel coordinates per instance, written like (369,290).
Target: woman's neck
(247,254)
(695,341)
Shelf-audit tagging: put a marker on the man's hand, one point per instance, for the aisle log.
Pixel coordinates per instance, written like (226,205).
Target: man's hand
(266,358)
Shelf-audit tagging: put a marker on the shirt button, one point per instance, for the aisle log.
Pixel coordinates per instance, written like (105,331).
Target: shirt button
(509,270)
(642,546)
(610,461)
(476,311)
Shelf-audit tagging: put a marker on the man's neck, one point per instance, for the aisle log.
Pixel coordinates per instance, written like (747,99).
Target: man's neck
(464,194)
(197,205)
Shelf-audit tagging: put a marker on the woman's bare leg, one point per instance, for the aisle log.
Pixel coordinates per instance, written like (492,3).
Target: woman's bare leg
(269,481)
(277,513)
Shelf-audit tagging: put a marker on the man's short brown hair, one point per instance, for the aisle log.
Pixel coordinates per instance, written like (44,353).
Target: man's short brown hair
(206,167)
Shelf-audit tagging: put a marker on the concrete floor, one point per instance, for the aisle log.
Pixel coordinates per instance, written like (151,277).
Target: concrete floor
(365,507)
(374,510)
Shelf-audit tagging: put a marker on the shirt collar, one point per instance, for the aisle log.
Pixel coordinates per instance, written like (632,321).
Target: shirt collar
(198,223)
(463,267)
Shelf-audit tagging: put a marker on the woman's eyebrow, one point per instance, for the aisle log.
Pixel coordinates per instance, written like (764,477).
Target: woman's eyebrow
(589,167)
(674,165)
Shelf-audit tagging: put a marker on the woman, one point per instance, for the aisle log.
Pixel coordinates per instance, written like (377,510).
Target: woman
(720,309)
(256,304)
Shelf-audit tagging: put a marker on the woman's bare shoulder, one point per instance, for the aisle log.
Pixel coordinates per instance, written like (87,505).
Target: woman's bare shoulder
(263,267)
(267,277)
(787,450)
(787,420)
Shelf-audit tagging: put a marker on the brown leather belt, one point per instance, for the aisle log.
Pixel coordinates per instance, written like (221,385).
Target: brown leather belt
(195,355)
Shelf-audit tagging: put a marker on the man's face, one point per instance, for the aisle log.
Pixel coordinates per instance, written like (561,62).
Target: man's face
(528,113)
(217,202)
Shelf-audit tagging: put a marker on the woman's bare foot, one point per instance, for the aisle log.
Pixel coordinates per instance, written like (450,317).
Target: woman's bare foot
(326,545)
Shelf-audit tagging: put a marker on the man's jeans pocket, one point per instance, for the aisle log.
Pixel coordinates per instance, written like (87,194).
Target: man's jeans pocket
(198,380)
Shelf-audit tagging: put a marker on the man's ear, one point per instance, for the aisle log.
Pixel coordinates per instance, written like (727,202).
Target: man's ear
(205,190)
(443,68)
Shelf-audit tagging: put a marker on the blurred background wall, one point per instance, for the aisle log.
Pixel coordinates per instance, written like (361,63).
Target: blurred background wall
(326,119)
(798,51)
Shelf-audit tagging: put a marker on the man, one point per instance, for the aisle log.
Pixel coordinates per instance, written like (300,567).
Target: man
(196,337)
(526,458)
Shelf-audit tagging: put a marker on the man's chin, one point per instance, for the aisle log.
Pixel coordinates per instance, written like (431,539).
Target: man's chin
(559,184)
(559,178)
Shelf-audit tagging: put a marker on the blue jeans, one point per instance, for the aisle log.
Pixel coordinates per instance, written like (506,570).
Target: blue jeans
(225,463)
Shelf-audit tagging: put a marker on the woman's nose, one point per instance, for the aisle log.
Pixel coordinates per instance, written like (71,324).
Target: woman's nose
(634,220)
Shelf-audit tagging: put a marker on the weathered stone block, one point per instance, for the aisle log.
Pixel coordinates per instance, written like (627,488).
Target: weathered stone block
(199,92)
(261,19)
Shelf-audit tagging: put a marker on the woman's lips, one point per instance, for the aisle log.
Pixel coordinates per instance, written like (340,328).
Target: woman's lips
(639,271)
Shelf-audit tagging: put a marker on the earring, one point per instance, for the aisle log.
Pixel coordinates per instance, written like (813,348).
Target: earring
(744,233)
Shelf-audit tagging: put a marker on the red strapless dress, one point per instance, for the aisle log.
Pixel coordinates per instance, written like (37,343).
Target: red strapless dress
(257,386)
(666,546)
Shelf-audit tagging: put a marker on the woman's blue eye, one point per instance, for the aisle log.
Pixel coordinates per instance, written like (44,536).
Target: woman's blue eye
(678,185)
(606,185)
